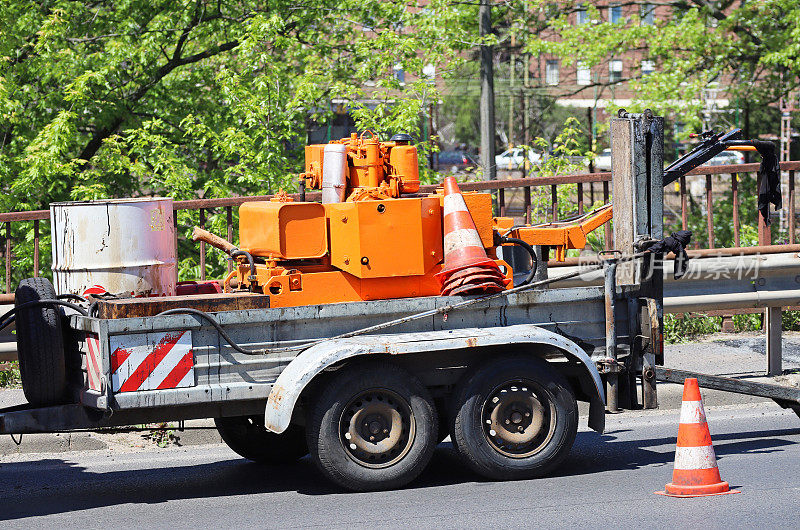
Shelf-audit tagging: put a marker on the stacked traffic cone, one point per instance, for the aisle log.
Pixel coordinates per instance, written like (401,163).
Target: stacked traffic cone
(696,473)
(467,268)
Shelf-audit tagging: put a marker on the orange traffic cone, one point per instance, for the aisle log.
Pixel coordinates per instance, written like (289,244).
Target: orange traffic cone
(467,268)
(696,473)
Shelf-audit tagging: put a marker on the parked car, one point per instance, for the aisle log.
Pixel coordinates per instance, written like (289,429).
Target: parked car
(512,158)
(454,161)
(603,161)
(726,158)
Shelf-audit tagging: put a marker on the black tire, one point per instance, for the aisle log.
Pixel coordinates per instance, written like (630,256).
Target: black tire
(40,344)
(247,437)
(396,441)
(525,434)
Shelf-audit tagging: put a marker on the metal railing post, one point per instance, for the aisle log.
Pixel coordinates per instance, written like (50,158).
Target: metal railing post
(608,235)
(710,211)
(791,207)
(735,191)
(772,324)
(36,248)
(175,243)
(684,206)
(229,221)
(8,257)
(202,246)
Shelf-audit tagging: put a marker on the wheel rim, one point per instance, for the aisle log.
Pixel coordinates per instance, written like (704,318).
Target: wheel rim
(518,418)
(377,428)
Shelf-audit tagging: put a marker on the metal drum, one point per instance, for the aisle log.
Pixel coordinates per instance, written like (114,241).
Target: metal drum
(123,246)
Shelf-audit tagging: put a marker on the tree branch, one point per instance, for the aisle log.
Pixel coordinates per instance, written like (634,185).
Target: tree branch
(102,133)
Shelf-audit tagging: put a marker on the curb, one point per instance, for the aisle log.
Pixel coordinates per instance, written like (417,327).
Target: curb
(198,432)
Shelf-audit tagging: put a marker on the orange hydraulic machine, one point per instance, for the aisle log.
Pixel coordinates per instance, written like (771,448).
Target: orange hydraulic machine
(373,236)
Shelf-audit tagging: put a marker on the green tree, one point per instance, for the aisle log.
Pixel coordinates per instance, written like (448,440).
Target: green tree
(195,98)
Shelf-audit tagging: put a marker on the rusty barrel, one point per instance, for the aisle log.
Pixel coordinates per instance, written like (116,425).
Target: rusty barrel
(124,246)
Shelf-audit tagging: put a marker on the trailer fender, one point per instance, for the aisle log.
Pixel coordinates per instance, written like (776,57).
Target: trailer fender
(311,362)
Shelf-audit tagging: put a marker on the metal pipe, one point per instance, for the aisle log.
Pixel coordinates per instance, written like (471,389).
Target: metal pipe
(334,173)
(772,325)
(610,271)
(754,299)
(653,354)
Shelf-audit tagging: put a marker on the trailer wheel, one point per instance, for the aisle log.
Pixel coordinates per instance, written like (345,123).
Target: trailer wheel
(372,427)
(247,437)
(515,418)
(40,344)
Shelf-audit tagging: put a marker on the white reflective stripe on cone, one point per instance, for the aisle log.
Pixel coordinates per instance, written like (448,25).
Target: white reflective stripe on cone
(458,239)
(695,457)
(693,412)
(454,203)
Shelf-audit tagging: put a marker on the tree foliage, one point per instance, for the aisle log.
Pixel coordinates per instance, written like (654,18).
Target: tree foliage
(188,98)
(103,99)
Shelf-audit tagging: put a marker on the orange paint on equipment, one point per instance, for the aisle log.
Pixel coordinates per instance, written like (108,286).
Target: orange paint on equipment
(696,473)
(467,269)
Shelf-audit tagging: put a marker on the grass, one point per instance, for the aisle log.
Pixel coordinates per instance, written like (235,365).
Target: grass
(9,375)
(688,326)
(162,435)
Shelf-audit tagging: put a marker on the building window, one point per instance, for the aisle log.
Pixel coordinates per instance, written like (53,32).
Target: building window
(551,72)
(648,67)
(615,15)
(584,74)
(615,70)
(583,15)
(647,14)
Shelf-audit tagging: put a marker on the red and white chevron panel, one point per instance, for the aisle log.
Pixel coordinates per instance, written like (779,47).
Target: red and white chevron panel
(93,364)
(152,361)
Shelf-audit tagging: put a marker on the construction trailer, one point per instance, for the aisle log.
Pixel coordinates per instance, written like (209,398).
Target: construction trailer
(333,339)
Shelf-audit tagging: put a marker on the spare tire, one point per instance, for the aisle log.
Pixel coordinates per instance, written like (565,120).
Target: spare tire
(40,344)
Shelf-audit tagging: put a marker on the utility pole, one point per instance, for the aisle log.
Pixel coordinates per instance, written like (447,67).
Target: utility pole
(512,67)
(487,94)
(787,107)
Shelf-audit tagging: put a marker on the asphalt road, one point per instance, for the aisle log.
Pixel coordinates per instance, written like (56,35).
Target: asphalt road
(607,480)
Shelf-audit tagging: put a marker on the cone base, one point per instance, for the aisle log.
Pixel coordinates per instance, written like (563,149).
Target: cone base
(481,288)
(706,490)
(485,263)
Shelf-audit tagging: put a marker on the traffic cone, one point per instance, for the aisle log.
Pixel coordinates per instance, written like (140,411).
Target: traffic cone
(467,268)
(696,473)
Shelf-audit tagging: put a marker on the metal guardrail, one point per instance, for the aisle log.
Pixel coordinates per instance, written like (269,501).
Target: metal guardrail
(744,281)
(727,284)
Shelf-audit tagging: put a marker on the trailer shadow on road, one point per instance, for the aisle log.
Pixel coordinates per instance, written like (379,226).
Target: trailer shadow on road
(58,485)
